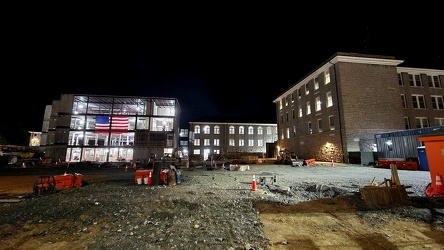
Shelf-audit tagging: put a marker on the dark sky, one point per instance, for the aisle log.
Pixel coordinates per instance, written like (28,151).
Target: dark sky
(218,66)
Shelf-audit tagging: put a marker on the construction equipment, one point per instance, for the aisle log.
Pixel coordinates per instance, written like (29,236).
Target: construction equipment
(290,158)
(177,158)
(46,184)
(216,161)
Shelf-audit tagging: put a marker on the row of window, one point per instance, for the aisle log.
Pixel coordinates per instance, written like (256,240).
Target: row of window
(317,81)
(123,106)
(91,122)
(331,125)
(418,101)
(422,122)
(231,130)
(231,142)
(416,80)
(318,107)
(419,122)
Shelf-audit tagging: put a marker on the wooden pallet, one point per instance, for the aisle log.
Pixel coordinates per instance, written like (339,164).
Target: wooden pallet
(392,193)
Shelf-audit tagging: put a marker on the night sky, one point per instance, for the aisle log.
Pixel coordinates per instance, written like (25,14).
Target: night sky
(220,68)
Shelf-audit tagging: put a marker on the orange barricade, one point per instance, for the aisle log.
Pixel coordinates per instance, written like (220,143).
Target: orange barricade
(142,173)
(68,181)
(401,165)
(309,161)
(386,163)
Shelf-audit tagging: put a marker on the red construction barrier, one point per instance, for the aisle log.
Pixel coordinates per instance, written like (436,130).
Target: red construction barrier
(142,174)
(68,181)
(386,163)
(401,165)
(308,162)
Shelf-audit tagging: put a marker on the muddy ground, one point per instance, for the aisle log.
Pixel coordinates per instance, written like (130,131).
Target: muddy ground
(316,207)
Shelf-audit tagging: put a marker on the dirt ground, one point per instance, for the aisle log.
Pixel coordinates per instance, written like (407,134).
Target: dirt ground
(341,222)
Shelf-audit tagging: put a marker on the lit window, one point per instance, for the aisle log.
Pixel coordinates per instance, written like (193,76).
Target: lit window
(250,130)
(241,130)
(231,130)
(316,83)
(207,130)
(318,103)
(260,131)
(329,99)
(331,122)
(327,77)
(260,143)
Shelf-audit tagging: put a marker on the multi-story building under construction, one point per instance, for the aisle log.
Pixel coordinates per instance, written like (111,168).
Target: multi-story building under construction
(103,128)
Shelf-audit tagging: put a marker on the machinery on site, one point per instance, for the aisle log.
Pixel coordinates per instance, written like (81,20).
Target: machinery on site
(52,183)
(289,158)
(216,161)
(177,158)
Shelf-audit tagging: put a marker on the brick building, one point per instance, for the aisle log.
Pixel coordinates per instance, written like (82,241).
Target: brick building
(335,111)
(209,138)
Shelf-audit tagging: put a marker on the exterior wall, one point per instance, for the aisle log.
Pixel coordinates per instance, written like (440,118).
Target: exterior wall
(426,90)
(366,96)
(70,135)
(319,144)
(369,103)
(224,136)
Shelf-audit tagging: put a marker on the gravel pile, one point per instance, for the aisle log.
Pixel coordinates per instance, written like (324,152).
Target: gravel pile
(204,210)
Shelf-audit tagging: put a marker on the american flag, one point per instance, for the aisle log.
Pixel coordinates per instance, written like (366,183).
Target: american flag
(119,124)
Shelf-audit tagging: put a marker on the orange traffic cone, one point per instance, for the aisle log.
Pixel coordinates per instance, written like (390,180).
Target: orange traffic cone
(135,167)
(126,168)
(223,166)
(332,163)
(23,165)
(438,184)
(253,184)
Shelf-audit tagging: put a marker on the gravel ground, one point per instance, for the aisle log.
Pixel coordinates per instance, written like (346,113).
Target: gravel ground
(205,210)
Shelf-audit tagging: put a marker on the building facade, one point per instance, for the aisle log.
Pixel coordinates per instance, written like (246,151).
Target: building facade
(207,138)
(335,111)
(103,128)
